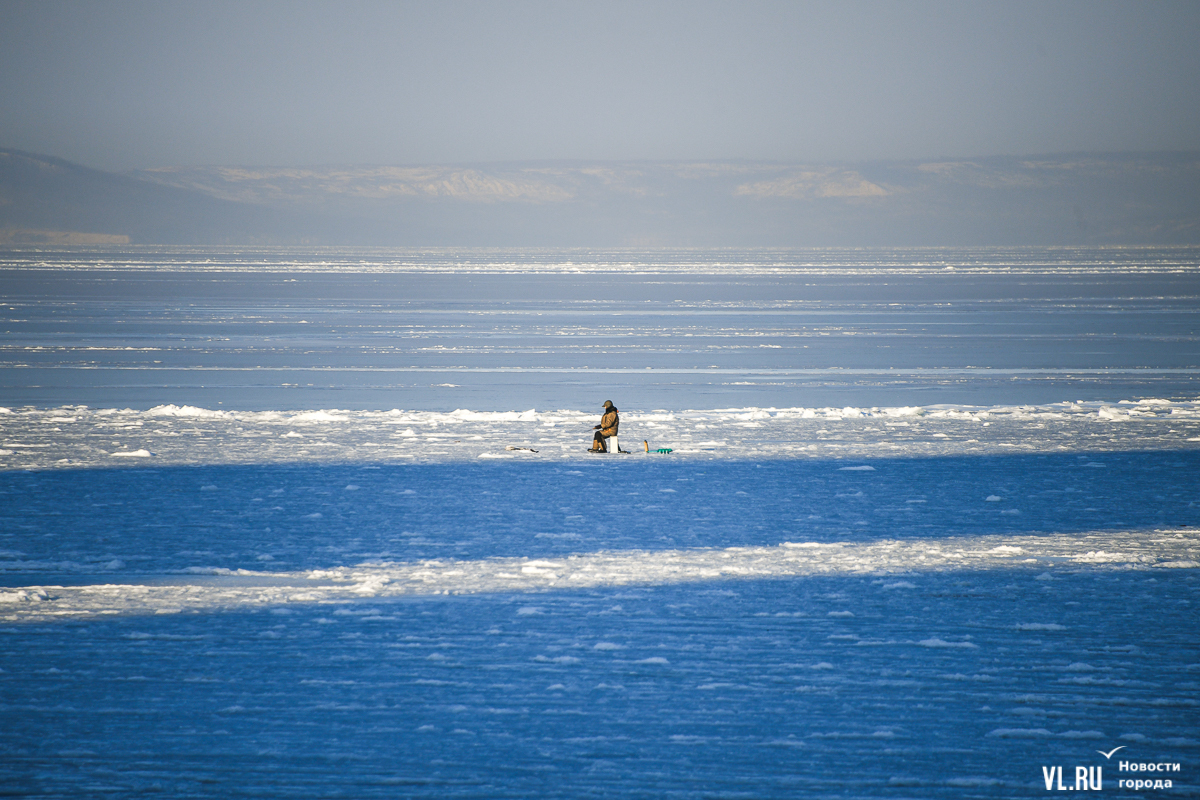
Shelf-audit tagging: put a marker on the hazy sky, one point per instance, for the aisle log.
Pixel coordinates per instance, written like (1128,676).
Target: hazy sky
(119,85)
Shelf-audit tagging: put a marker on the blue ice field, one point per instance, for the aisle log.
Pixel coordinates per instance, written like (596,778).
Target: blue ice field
(896,524)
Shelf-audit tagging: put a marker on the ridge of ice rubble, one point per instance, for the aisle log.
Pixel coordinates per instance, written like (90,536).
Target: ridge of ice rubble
(77,436)
(224,588)
(1122,409)
(801,262)
(173,410)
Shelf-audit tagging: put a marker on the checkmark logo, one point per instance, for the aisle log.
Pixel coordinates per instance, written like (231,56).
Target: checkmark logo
(1109,754)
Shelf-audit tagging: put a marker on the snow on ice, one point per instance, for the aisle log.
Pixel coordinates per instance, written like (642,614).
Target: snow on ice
(75,436)
(231,589)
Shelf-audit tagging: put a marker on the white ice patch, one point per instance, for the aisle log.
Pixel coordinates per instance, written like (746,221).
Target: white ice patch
(314,417)
(228,589)
(191,412)
(941,643)
(188,435)
(1039,626)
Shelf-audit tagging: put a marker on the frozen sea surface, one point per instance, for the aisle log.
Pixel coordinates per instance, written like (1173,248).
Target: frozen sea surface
(920,534)
(512,330)
(947,685)
(880,602)
(177,488)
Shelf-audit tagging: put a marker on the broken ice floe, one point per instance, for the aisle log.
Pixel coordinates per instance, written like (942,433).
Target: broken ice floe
(230,589)
(186,435)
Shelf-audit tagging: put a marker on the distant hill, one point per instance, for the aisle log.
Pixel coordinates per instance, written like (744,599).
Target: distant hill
(1149,198)
(46,199)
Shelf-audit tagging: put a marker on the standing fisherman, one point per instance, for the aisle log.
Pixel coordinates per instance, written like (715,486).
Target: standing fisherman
(607,427)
